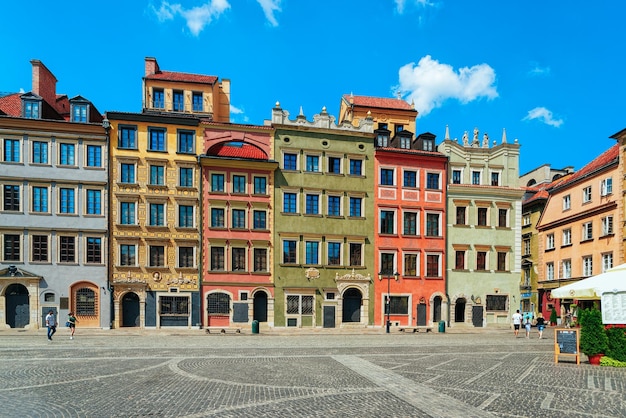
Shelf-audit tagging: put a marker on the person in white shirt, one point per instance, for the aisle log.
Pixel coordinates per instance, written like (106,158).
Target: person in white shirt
(51,323)
(517,322)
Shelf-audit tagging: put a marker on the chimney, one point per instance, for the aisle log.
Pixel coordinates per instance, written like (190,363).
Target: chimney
(152,67)
(44,82)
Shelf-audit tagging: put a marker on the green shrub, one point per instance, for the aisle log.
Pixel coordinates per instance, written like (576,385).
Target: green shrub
(593,338)
(611,362)
(617,343)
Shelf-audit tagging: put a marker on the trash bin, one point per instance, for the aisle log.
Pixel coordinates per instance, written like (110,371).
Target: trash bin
(442,326)
(255,327)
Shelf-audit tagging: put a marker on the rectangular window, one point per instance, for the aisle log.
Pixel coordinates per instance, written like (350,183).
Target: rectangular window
(550,271)
(31,110)
(174,306)
(218,304)
(157,214)
(567,202)
(126,137)
(459,260)
(127,213)
(178,102)
(67,249)
(94,202)
(410,223)
(587,231)
(11,198)
(313,163)
(387,222)
(386,177)
(550,241)
(607,225)
(526,219)
(67,154)
(405,143)
(185,216)
(40,199)
(456,176)
(128,255)
(399,305)
(12,150)
(460,215)
(410,265)
(239,218)
(156,141)
(94,156)
(432,265)
(566,269)
(94,250)
(127,173)
(67,200)
(312,249)
(290,162)
(185,177)
(482,216)
(334,206)
(39,245)
(260,185)
(587,194)
(502,218)
(157,175)
(475,177)
(502,261)
(387,264)
(410,179)
(432,224)
(260,259)
(239,184)
(356,209)
(11,248)
(289,202)
(217,259)
(527,246)
(495,179)
(587,266)
(356,167)
(496,302)
(158,99)
(157,256)
(334,165)
(432,181)
(259,219)
(196,101)
(334,253)
(607,262)
(80,113)
(289,252)
(606,186)
(481,260)
(40,152)
(312,204)
(217,218)
(356,250)
(238,263)
(299,304)
(217,183)
(186,142)
(567,237)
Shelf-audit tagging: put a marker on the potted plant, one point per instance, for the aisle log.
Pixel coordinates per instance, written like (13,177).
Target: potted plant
(553,317)
(593,339)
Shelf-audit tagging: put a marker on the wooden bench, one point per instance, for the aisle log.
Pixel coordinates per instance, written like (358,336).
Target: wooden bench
(223,330)
(420,328)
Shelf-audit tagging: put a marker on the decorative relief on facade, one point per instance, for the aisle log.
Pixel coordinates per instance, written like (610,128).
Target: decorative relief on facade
(433,197)
(312,273)
(410,195)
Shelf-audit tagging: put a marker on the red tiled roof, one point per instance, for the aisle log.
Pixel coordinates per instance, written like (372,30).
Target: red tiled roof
(380,102)
(11,105)
(604,159)
(237,149)
(183,77)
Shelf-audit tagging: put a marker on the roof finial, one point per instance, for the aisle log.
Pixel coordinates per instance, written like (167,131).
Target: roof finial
(504,135)
(447,135)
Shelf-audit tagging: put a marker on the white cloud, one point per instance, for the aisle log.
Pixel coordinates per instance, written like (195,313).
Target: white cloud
(544,115)
(400,4)
(429,83)
(269,7)
(537,70)
(235,110)
(197,17)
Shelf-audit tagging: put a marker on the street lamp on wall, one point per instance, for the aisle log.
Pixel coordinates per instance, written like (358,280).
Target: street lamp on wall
(388,276)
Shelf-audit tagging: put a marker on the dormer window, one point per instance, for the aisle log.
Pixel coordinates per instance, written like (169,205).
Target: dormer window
(79,113)
(382,136)
(405,143)
(428,145)
(32,109)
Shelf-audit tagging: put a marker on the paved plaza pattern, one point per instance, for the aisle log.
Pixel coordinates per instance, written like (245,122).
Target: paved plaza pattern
(187,373)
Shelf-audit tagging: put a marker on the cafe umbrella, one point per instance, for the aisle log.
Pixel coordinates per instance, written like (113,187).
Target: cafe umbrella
(611,281)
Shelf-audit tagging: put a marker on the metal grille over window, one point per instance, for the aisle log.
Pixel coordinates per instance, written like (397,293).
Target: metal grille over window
(86,302)
(174,305)
(218,304)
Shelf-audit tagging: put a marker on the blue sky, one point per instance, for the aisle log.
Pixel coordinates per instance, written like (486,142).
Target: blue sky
(550,72)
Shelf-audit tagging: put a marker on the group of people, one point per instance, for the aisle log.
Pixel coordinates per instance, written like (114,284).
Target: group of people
(51,323)
(526,320)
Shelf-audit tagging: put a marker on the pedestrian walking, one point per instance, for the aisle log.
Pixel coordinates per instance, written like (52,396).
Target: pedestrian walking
(527,324)
(51,323)
(71,322)
(517,322)
(541,324)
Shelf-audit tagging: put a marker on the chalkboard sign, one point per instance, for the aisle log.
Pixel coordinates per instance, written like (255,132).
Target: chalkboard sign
(566,343)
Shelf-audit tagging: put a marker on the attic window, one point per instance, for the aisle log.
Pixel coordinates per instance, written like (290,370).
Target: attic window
(79,113)
(32,109)
(429,145)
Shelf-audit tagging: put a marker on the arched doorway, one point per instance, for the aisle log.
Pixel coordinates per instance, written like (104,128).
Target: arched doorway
(352,305)
(130,310)
(437,309)
(260,306)
(459,310)
(18,308)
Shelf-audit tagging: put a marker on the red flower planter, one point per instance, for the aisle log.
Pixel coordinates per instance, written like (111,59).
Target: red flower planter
(595,359)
